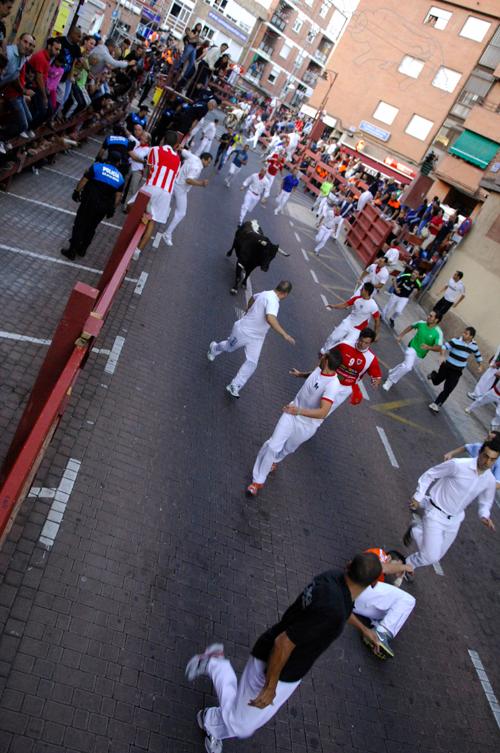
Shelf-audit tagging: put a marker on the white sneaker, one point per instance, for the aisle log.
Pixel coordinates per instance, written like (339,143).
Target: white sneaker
(212,745)
(434,407)
(168,240)
(232,390)
(198,663)
(3,150)
(387,385)
(211,354)
(276,211)
(471,395)
(24,135)
(467,410)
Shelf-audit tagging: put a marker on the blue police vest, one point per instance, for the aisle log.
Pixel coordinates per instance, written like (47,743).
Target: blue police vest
(108,174)
(116,141)
(136,119)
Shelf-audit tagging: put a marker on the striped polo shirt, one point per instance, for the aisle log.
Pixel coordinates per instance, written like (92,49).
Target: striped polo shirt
(459,352)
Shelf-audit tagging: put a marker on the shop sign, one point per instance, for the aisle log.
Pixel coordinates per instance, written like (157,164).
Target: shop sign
(374,130)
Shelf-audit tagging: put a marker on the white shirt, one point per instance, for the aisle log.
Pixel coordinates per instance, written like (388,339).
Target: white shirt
(363,200)
(333,222)
(191,168)
(142,152)
(361,311)
(254,323)
(376,277)
(392,256)
(255,184)
(457,485)
(317,387)
(209,130)
(454,290)
(293,140)
(212,56)
(101,58)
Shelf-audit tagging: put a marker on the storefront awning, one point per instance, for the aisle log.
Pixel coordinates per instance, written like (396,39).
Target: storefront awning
(475,149)
(376,164)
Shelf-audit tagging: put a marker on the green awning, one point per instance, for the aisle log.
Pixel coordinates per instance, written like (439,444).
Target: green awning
(475,149)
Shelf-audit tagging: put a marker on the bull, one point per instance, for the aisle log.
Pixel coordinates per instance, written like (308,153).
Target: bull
(253,249)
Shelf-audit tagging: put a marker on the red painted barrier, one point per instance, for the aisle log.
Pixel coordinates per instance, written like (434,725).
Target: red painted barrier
(81,322)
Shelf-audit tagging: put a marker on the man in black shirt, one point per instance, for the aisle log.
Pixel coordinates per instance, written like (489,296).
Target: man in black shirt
(283,654)
(70,51)
(404,286)
(224,143)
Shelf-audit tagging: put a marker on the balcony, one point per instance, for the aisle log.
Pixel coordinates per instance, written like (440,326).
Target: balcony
(321,57)
(483,119)
(459,173)
(278,21)
(268,44)
(310,78)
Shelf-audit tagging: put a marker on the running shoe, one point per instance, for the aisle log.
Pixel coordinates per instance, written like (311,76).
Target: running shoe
(232,390)
(467,410)
(168,240)
(434,407)
(198,663)
(387,385)
(385,638)
(471,396)
(211,354)
(253,489)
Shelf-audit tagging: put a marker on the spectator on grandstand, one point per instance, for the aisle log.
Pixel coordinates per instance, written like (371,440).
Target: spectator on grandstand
(39,63)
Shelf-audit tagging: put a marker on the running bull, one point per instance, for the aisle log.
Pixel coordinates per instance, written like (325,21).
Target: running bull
(253,249)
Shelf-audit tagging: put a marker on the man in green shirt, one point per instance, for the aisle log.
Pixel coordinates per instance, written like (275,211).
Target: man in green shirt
(324,192)
(428,336)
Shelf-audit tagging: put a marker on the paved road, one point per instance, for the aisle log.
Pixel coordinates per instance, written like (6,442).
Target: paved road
(159,551)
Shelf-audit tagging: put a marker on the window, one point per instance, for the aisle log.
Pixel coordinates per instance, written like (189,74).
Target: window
(297,25)
(220,5)
(437,18)
(475,29)
(301,56)
(419,127)
(446,134)
(285,50)
(323,11)
(273,75)
(207,32)
(411,66)
(446,79)
(491,56)
(386,113)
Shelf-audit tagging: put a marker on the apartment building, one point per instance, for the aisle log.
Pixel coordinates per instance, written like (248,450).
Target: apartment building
(291,45)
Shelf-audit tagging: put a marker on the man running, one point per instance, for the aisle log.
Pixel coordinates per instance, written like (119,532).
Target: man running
(250,331)
(455,484)
(288,184)
(283,655)
(330,225)
(428,336)
(474,448)
(406,283)
(362,308)
(257,188)
(376,273)
(357,360)
(275,164)
(188,176)
(458,350)
(238,160)
(301,418)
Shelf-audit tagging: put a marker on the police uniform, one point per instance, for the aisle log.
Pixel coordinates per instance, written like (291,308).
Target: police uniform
(97,202)
(135,119)
(122,145)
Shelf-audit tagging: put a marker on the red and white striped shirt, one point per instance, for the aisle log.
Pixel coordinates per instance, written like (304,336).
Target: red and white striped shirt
(164,165)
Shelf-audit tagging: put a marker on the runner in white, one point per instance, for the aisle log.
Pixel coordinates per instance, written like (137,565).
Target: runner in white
(188,176)
(257,188)
(330,225)
(362,308)
(301,418)
(250,333)
(488,378)
(492,396)
(207,136)
(376,273)
(293,142)
(259,127)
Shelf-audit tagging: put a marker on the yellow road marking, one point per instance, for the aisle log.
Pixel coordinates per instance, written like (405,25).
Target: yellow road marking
(388,409)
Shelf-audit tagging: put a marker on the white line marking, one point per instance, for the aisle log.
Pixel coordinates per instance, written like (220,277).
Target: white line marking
(156,242)
(248,291)
(58,506)
(324,299)
(363,390)
(387,446)
(298,237)
(54,260)
(42,491)
(143,278)
(82,154)
(60,172)
(313,275)
(304,254)
(291,223)
(91,138)
(23,338)
(438,569)
(486,685)
(112,361)
(56,209)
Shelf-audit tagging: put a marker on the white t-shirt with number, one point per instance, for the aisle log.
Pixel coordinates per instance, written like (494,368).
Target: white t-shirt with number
(254,324)
(317,387)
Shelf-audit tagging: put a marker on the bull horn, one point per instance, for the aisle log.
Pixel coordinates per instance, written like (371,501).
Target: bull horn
(280,250)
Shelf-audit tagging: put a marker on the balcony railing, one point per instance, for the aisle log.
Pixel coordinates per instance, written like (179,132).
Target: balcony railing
(278,21)
(321,57)
(266,47)
(310,78)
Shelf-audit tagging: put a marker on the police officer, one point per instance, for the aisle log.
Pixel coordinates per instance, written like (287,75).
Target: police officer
(98,192)
(138,118)
(122,145)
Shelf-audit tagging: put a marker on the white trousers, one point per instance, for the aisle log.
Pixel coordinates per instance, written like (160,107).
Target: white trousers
(396,373)
(344,332)
(489,397)
(204,146)
(289,433)
(234,717)
(270,181)
(385,605)
(250,201)
(319,203)
(321,238)
(485,383)
(233,170)
(180,195)
(253,347)
(433,534)
(394,306)
(255,138)
(281,200)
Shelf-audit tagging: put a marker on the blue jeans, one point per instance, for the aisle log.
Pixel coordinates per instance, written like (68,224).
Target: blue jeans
(21,113)
(189,54)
